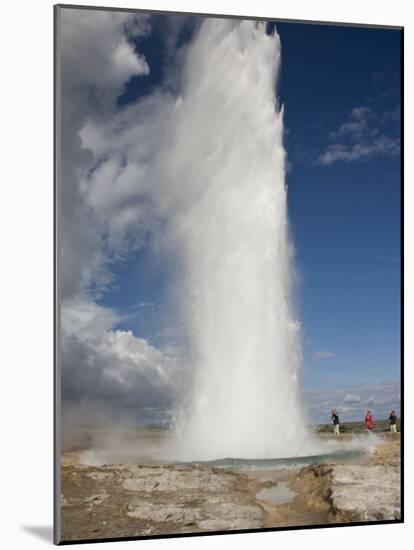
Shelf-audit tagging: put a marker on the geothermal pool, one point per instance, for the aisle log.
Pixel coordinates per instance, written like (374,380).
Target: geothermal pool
(151,447)
(280,463)
(98,457)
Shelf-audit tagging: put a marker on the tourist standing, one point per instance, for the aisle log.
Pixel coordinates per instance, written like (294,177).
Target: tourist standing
(369,421)
(335,420)
(393,422)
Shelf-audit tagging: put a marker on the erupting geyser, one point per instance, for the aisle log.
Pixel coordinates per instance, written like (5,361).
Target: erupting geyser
(228,160)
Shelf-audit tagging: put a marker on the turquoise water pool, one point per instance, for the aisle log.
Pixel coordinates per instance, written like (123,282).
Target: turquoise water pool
(269,463)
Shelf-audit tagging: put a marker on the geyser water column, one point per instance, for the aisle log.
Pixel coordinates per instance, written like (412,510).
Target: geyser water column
(227,165)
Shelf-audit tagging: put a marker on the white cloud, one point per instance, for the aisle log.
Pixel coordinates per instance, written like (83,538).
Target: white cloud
(352,402)
(361,113)
(96,51)
(127,180)
(352,399)
(361,136)
(323,355)
(101,362)
(97,59)
(356,125)
(85,317)
(383,145)
(105,210)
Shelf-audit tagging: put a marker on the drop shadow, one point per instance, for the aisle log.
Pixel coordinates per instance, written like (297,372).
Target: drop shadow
(43,532)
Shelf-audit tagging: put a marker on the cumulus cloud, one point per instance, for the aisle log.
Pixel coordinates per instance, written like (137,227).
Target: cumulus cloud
(352,402)
(96,50)
(318,355)
(356,125)
(106,212)
(352,399)
(383,145)
(97,59)
(100,362)
(361,136)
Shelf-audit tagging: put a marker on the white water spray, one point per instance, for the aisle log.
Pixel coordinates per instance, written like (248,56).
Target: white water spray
(228,167)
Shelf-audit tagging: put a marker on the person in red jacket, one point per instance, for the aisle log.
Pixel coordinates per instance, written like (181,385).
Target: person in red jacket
(369,421)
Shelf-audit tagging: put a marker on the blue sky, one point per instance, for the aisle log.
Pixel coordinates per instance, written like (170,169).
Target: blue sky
(345,216)
(340,88)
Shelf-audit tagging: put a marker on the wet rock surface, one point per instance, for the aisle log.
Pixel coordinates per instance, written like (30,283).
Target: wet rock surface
(371,491)
(120,500)
(366,493)
(344,493)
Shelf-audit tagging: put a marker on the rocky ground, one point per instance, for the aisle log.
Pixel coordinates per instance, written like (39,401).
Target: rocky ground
(130,500)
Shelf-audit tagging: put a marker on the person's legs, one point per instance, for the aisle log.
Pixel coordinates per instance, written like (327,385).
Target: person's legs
(394,428)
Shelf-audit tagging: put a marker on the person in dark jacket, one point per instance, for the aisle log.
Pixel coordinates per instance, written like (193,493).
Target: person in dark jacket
(335,420)
(393,422)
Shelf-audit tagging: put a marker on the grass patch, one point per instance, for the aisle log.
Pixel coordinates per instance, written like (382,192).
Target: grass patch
(356,427)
